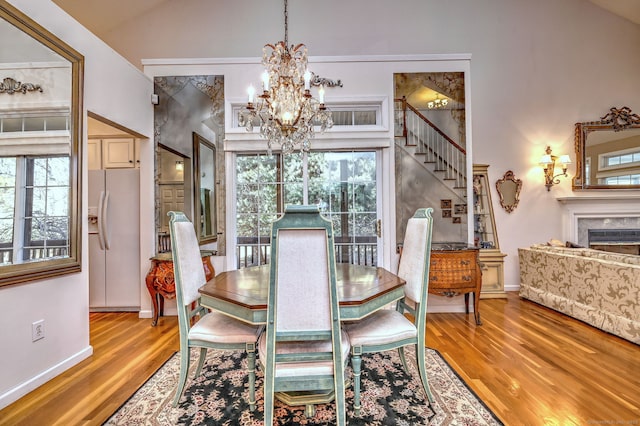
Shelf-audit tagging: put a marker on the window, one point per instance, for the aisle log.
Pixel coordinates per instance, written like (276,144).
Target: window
(619,168)
(34,123)
(342,184)
(34,208)
(621,159)
(343,115)
(633,179)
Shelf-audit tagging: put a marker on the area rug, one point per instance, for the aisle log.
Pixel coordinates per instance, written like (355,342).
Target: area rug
(389,396)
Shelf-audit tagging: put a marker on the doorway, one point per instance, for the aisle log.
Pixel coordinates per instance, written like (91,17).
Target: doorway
(172,167)
(113,216)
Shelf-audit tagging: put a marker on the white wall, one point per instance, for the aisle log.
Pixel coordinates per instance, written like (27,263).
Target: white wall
(537,68)
(116,90)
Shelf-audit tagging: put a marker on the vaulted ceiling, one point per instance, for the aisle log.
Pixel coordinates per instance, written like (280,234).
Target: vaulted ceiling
(101,17)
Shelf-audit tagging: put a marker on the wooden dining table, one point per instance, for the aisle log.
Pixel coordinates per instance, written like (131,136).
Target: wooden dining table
(242,293)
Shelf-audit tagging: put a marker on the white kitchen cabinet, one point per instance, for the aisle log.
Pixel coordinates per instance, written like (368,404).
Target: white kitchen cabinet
(119,153)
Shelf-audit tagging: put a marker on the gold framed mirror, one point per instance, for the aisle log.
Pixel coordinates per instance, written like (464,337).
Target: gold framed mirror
(204,184)
(509,191)
(608,151)
(40,151)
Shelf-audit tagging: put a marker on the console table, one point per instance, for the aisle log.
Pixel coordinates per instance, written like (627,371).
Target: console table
(455,270)
(160,281)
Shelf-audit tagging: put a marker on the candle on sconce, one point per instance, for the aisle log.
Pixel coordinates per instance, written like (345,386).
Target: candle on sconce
(307,80)
(265,81)
(251,91)
(321,94)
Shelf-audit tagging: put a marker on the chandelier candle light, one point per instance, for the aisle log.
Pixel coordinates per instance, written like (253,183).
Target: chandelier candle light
(286,111)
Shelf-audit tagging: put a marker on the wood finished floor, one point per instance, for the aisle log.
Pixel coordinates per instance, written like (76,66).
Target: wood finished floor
(529,364)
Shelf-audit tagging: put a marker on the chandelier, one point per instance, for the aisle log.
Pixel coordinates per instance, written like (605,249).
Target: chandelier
(437,103)
(286,111)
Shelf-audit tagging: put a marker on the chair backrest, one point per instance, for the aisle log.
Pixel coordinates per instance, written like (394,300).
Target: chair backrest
(416,256)
(303,335)
(188,272)
(302,291)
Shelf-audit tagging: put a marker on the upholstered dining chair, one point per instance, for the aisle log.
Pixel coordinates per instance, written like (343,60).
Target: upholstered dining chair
(212,330)
(390,329)
(303,351)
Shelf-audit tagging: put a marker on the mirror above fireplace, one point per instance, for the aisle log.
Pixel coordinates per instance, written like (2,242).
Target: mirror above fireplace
(608,151)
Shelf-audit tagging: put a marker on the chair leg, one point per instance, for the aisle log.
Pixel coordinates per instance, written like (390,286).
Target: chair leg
(203,357)
(341,415)
(422,368)
(251,370)
(184,370)
(403,359)
(356,365)
(269,383)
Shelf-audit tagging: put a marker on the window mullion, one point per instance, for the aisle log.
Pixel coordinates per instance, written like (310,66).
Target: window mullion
(19,212)
(305,179)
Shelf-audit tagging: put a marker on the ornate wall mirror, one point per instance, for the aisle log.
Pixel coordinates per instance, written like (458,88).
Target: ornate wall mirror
(509,191)
(608,151)
(40,128)
(204,184)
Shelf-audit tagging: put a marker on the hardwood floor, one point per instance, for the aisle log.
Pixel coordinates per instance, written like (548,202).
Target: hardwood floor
(126,352)
(534,366)
(529,364)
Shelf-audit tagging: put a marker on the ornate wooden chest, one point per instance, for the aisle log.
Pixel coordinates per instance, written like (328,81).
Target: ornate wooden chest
(455,270)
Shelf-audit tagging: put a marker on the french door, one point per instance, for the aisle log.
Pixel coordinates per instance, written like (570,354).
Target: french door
(343,184)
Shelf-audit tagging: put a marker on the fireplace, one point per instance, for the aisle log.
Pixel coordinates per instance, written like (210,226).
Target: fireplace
(603,222)
(625,241)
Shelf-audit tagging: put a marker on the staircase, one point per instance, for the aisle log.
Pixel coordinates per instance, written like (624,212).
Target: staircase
(438,152)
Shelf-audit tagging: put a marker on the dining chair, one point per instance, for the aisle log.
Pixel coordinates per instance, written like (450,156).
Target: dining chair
(211,330)
(389,329)
(303,351)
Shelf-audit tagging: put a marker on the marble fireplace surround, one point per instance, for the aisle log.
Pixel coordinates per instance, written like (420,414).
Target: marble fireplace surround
(598,212)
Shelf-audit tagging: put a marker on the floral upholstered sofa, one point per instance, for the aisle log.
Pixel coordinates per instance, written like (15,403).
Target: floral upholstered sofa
(597,287)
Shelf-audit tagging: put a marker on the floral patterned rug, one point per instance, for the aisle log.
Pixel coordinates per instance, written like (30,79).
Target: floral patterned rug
(389,396)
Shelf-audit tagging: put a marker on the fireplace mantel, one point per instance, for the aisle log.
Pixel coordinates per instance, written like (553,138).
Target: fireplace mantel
(599,199)
(608,208)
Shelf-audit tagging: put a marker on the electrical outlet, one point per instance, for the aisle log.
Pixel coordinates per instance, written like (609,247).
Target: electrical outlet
(37,330)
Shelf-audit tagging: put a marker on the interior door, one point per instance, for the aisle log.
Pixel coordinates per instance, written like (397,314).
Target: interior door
(171,199)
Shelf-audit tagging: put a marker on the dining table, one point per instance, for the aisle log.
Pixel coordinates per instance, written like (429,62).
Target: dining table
(242,293)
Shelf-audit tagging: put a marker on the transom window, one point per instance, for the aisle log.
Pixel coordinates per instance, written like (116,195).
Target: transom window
(342,115)
(34,124)
(632,179)
(622,159)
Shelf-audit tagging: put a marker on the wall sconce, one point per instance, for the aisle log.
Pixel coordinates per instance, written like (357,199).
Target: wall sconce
(549,163)
(179,166)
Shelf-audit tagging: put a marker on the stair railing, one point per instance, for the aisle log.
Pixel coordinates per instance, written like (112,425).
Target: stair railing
(430,141)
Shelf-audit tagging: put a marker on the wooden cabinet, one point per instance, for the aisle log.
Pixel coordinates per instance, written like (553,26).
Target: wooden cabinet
(94,154)
(455,270)
(486,235)
(160,280)
(113,153)
(119,153)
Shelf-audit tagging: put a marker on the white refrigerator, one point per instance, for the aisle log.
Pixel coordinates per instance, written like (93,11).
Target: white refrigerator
(114,240)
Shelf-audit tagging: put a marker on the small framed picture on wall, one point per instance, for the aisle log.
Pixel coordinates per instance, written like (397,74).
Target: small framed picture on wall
(460,209)
(445,204)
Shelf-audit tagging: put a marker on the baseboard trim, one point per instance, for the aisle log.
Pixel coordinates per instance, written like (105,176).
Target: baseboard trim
(12,395)
(145,313)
